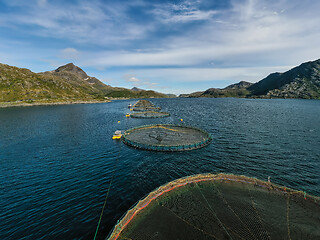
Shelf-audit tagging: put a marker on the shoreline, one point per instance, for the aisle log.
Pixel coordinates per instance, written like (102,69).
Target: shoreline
(24,104)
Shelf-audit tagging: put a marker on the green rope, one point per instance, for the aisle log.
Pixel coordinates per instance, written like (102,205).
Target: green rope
(105,201)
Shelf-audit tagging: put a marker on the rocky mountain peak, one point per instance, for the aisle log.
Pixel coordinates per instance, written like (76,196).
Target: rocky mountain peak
(136,89)
(242,84)
(71,68)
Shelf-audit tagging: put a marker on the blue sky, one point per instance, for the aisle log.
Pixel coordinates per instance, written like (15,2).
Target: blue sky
(169,46)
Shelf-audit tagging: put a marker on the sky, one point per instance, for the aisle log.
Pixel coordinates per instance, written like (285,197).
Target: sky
(168,46)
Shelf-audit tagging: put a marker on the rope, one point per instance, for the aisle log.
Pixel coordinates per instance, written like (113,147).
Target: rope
(257,213)
(231,209)
(288,222)
(199,229)
(107,195)
(222,225)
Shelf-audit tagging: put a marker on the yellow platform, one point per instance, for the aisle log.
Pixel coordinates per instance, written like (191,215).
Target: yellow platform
(116,136)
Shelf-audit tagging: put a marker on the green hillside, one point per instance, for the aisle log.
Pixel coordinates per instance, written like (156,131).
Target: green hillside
(19,84)
(66,83)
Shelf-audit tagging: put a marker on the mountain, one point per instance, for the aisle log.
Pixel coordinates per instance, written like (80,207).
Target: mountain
(79,79)
(300,82)
(170,95)
(66,83)
(234,90)
(20,84)
(69,71)
(240,85)
(136,89)
(192,95)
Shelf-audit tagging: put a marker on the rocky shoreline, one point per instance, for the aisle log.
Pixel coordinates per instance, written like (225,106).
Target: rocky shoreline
(26,104)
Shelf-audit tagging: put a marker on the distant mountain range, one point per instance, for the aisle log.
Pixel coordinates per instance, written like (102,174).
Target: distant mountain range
(70,83)
(300,82)
(66,83)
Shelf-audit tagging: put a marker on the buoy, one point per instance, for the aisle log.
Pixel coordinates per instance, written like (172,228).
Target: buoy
(181,120)
(118,121)
(127,115)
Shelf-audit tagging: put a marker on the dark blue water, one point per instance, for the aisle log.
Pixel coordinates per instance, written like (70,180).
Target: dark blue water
(56,162)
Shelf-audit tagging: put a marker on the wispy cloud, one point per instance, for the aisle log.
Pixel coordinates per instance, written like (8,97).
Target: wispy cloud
(131,78)
(83,22)
(137,82)
(251,33)
(159,40)
(183,75)
(186,11)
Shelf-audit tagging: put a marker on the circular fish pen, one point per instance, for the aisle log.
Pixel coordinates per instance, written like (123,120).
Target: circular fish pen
(141,109)
(221,206)
(166,137)
(144,105)
(150,114)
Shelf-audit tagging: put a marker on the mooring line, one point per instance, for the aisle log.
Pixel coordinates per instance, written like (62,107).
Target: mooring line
(108,191)
(288,222)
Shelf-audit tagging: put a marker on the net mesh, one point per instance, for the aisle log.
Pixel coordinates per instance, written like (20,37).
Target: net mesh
(149,114)
(221,207)
(144,105)
(166,137)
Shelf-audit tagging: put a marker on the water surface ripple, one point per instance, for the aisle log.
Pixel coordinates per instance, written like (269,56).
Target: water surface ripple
(56,162)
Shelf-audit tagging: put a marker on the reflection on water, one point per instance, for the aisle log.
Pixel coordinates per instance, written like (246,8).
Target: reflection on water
(56,161)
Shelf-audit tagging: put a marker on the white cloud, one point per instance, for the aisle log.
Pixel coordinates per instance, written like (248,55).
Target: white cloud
(69,53)
(150,85)
(134,80)
(183,56)
(245,42)
(130,78)
(91,22)
(186,80)
(185,75)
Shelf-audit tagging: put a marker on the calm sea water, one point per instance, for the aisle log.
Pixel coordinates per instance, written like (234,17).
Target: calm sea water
(56,162)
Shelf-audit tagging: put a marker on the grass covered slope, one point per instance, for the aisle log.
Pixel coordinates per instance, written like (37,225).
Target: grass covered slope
(66,83)
(20,84)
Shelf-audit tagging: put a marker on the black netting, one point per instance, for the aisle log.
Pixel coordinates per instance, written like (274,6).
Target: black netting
(165,137)
(222,207)
(144,105)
